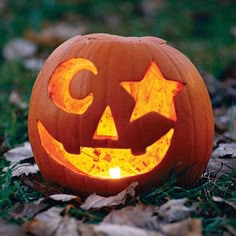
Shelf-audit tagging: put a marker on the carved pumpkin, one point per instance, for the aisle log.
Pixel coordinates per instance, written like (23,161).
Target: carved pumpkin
(107,110)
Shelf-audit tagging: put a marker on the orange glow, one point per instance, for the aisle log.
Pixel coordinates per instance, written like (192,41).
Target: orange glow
(153,93)
(98,161)
(58,87)
(106,127)
(115,172)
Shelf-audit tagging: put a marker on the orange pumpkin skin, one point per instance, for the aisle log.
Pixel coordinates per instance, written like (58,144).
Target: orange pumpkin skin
(120,59)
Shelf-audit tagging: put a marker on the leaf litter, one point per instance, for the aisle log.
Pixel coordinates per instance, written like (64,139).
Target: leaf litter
(9,229)
(21,161)
(22,169)
(20,153)
(143,216)
(64,197)
(175,210)
(223,160)
(170,218)
(53,222)
(95,201)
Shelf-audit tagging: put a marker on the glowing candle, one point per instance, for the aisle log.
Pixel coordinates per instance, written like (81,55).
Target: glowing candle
(115,172)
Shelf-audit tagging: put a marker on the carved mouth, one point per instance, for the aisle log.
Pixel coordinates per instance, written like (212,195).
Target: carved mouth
(97,162)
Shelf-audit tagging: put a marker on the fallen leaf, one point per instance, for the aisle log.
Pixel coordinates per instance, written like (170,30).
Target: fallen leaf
(225,150)
(223,160)
(19,48)
(33,64)
(7,229)
(27,210)
(187,227)
(174,210)
(53,35)
(151,8)
(50,223)
(218,167)
(219,199)
(139,216)
(36,183)
(95,201)
(227,120)
(19,153)
(3,4)
(22,169)
(113,20)
(16,99)
(64,197)
(122,230)
(114,230)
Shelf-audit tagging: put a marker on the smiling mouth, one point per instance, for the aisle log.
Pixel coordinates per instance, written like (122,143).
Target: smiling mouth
(97,162)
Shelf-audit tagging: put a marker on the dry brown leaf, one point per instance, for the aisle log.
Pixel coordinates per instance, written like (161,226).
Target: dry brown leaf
(218,167)
(53,35)
(225,150)
(139,216)
(27,210)
(151,8)
(223,160)
(38,184)
(95,201)
(19,48)
(22,169)
(187,227)
(226,118)
(50,223)
(33,64)
(3,4)
(7,229)
(15,99)
(114,230)
(175,210)
(123,230)
(63,197)
(19,153)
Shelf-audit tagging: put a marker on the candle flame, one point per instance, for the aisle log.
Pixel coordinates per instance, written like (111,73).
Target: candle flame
(115,172)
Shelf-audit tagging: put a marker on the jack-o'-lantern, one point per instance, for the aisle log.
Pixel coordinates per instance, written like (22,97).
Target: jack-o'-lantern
(108,110)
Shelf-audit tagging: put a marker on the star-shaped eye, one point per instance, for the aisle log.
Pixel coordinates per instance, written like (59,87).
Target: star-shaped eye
(153,93)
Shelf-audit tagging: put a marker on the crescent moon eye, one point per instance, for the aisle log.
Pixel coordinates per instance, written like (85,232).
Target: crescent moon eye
(58,86)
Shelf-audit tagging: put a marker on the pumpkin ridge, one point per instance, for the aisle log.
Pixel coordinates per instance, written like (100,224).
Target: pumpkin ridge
(122,59)
(175,65)
(203,96)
